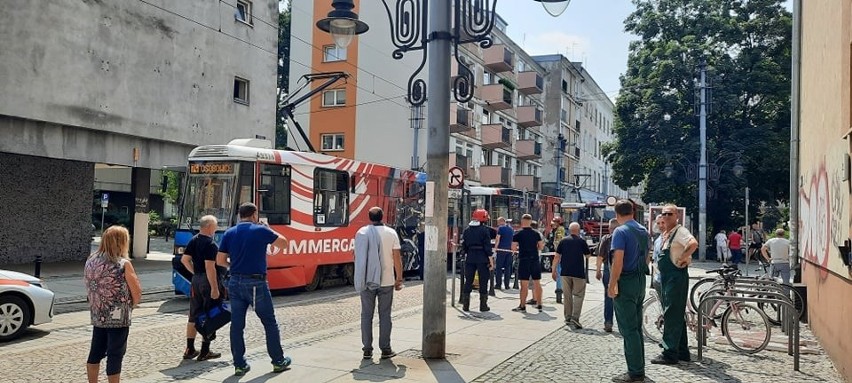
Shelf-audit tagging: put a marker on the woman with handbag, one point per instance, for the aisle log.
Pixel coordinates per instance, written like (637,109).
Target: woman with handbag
(113,291)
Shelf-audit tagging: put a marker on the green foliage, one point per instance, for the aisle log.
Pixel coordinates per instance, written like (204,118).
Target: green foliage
(747,46)
(172,192)
(283,75)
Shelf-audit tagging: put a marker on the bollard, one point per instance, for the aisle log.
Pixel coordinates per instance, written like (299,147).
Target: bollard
(38,260)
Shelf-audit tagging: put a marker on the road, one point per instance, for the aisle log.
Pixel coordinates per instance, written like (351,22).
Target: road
(56,352)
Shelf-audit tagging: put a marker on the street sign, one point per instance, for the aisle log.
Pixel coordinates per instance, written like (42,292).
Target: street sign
(611,200)
(454,193)
(105,200)
(456,177)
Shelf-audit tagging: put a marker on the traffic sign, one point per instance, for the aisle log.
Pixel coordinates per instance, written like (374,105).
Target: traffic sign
(456,177)
(105,200)
(611,200)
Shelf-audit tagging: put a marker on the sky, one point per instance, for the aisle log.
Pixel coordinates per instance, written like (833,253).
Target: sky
(587,32)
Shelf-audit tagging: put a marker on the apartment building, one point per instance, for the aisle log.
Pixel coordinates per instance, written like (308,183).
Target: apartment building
(508,135)
(91,85)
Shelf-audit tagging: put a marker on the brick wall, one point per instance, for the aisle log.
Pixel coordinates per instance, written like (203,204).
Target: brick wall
(45,208)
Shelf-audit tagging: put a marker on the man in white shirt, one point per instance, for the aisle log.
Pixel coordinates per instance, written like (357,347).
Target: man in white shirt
(721,246)
(777,250)
(378,271)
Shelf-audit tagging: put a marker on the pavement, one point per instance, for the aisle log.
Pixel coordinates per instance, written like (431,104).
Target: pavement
(322,335)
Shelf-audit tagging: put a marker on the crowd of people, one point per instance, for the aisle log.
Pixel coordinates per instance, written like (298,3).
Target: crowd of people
(623,259)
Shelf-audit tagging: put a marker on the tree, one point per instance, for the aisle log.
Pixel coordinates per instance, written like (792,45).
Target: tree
(747,44)
(283,74)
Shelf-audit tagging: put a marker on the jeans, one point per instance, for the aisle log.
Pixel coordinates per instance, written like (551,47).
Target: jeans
(559,273)
(736,256)
(384,295)
(244,292)
(782,269)
(608,310)
(503,269)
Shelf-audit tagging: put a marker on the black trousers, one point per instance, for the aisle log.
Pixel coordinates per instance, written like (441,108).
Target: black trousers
(109,343)
(484,276)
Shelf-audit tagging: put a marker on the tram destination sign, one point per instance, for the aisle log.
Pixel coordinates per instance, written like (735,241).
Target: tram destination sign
(211,168)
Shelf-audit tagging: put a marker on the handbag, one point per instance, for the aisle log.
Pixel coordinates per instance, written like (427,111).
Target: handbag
(213,319)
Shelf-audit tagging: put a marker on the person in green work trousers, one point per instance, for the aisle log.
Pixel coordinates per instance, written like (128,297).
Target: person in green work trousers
(627,287)
(678,244)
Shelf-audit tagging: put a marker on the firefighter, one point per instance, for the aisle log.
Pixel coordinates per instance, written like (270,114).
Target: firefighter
(476,241)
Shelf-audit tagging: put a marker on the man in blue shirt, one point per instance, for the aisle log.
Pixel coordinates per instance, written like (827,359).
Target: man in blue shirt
(503,249)
(627,288)
(243,248)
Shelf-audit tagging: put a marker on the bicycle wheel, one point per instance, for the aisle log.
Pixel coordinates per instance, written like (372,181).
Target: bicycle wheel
(697,289)
(746,327)
(652,319)
(772,311)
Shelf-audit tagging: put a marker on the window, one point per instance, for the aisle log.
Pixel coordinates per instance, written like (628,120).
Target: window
(333,53)
(241,90)
(274,192)
(331,198)
(332,142)
(243,12)
(335,97)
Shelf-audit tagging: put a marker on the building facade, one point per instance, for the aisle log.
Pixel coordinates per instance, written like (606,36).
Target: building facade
(120,83)
(521,129)
(825,221)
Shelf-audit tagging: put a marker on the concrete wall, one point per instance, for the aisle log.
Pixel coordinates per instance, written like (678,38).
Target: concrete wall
(824,184)
(46,206)
(162,70)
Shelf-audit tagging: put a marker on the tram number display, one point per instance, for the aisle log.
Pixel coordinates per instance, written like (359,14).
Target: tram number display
(211,168)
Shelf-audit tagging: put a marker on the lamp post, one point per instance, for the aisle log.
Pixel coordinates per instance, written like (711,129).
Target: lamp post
(715,171)
(473,21)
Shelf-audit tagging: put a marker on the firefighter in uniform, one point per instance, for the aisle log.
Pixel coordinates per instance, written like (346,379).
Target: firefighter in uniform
(476,242)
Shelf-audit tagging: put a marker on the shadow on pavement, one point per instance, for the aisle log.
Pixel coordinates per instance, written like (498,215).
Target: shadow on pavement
(711,369)
(443,371)
(387,369)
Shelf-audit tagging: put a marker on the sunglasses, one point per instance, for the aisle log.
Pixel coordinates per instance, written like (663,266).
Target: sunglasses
(666,214)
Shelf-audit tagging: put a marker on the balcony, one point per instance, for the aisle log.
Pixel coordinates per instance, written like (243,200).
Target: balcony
(491,175)
(496,97)
(498,59)
(496,136)
(528,149)
(460,119)
(529,116)
(530,83)
(461,161)
(528,183)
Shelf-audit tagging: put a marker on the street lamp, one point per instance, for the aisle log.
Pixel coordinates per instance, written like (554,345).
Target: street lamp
(554,7)
(473,21)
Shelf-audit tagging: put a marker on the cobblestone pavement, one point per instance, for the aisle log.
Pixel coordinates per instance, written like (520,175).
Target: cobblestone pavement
(157,336)
(592,355)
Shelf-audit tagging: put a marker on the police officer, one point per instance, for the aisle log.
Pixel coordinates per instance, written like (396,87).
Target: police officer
(476,242)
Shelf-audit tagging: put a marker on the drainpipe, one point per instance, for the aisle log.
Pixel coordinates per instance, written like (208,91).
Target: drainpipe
(794,135)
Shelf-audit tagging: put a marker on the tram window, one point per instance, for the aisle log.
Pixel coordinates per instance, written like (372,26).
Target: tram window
(331,198)
(274,193)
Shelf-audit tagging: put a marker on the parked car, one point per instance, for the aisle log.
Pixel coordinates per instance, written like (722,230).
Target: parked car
(24,301)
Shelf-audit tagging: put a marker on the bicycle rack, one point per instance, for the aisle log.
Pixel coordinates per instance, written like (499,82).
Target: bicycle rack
(784,301)
(764,284)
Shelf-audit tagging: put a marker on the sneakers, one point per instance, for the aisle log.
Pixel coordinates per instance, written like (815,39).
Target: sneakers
(520,309)
(209,355)
(626,377)
(608,327)
(240,371)
(282,366)
(662,359)
(368,354)
(577,324)
(387,354)
(573,323)
(540,308)
(187,354)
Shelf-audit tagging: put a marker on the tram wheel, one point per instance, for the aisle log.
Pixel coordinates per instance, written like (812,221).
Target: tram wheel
(317,281)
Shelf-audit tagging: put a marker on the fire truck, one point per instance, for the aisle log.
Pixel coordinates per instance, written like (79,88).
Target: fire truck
(593,217)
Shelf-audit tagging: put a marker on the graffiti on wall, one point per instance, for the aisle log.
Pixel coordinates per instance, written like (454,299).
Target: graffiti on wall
(821,221)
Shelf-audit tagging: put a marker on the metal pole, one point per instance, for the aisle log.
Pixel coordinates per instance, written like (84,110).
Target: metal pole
(438,157)
(702,167)
(417,124)
(103,211)
(794,138)
(455,252)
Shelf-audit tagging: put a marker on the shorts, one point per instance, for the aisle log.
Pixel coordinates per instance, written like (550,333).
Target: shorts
(200,296)
(529,268)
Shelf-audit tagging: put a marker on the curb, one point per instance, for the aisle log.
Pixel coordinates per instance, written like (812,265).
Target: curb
(84,299)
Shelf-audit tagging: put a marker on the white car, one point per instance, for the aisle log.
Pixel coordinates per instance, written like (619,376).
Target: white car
(24,301)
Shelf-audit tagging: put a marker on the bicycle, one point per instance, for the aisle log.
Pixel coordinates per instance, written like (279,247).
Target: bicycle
(745,326)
